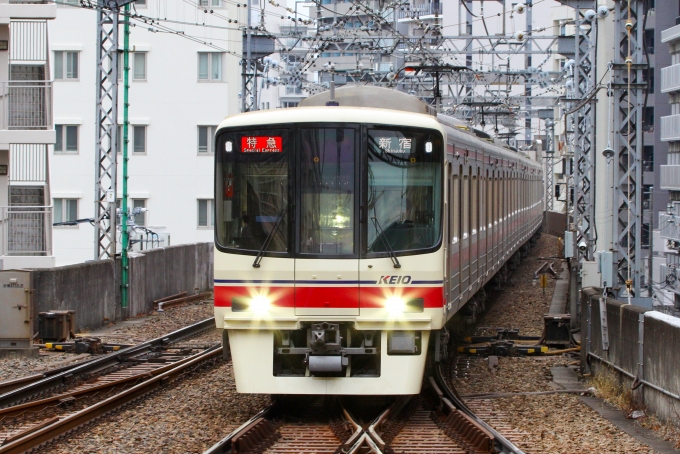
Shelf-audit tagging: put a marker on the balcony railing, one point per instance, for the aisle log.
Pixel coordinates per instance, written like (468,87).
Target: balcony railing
(670,177)
(670,34)
(426,9)
(670,78)
(670,128)
(26,105)
(26,231)
(668,226)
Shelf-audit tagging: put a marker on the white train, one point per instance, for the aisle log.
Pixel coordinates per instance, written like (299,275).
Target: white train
(346,237)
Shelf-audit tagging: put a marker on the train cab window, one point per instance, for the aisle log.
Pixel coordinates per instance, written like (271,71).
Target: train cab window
(327,171)
(404,196)
(252,184)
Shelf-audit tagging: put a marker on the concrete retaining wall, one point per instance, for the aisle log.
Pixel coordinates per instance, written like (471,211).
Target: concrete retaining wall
(644,345)
(90,290)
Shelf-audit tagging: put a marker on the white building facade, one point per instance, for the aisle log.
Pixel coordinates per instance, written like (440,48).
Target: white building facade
(26,132)
(180,89)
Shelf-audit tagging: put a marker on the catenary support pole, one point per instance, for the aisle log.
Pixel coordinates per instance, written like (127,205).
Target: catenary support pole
(125,233)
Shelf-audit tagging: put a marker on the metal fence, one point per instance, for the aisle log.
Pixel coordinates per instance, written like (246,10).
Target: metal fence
(26,231)
(26,105)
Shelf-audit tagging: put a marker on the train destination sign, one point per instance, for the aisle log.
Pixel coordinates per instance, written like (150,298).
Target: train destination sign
(261,144)
(395,144)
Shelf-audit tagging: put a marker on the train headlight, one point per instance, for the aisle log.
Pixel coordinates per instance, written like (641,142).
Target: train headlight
(260,304)
(395,305)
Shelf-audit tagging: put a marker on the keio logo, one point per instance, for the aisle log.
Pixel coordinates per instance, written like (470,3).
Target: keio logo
(393,280)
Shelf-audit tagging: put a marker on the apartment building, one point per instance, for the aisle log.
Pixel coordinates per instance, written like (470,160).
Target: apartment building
(180,90)
(26,132)
(667,287)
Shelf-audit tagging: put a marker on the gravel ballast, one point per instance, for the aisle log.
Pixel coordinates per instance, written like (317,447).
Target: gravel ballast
(549,423)
(191,414)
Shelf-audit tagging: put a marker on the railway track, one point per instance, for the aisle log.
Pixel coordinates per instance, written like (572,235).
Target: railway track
(432,422)
(63,401)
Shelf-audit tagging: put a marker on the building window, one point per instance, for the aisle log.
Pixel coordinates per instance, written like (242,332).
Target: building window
(210,66)
(216,3)
(139,139)
(205,139)
(140,219)
(139,59)
(65,65)
(206,213)
(67,139)
(141,3)
(71,2)
(286,104)
(65,210)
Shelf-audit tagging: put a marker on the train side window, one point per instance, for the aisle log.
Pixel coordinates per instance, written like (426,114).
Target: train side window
(466,206)
(489,200)
(475,207)
(454,210)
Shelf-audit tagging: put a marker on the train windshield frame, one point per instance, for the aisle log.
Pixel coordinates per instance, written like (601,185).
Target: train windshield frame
(300,190)
(404,190)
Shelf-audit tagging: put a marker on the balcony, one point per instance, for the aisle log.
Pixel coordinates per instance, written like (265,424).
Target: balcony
(26,231)
(670,177)
(426,9)
(26,112)
(28,9)
(670,128)
(670,34)
(670,78)
(668,226)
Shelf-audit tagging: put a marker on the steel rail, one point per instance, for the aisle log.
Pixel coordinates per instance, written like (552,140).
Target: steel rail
(102,408)
(224,445)
(260,428)
(50,382)
(504,446)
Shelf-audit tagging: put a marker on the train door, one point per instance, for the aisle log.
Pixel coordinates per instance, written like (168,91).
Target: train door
(327,265)
(454,242)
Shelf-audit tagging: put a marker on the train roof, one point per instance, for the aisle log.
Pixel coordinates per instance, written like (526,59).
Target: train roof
(369,96)
(323,114)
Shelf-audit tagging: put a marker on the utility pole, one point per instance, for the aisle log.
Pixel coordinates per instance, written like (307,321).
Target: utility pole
(125,232)
(549,164)
(106,138)
(106,129)
(584,129)
(629,90)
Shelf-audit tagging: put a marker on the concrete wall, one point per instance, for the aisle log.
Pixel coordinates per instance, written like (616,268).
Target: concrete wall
(630,327)
(89,288)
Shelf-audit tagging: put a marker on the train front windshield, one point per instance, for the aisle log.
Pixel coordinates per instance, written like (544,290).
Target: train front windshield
(300,190)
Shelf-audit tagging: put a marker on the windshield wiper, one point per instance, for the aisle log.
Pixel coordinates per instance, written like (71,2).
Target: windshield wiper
(386,243)
(265,245)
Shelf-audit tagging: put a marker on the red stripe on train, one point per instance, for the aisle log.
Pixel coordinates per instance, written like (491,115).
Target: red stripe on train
(330,297)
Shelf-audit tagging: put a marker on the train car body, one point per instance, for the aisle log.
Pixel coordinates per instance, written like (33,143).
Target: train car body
(346,236)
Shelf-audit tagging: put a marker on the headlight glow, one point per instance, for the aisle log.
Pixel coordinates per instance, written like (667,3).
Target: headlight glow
(395,305)
(260,304)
